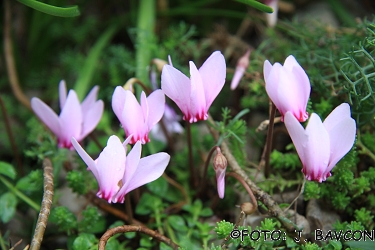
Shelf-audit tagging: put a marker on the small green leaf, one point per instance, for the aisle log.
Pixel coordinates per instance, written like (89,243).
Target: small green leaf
(177,223)
(7,170)
(112,244)
(31,182)
(8,203)
(158,187)
(50,9)
(145,242)
(84,241)
(365,245)
(206,212)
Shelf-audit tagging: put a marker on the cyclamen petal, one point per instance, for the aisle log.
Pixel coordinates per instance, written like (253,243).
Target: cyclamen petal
(75,120)
(194,96)
(118,174)
(138,119)
(322,144)
(288,87)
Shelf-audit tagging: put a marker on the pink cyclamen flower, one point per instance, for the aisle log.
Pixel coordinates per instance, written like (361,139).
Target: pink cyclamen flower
(117,173)
(137,120)
(220,165)
(288,87)
(321,145)
(75,120)
(194,96)
(241,67)
(272,17)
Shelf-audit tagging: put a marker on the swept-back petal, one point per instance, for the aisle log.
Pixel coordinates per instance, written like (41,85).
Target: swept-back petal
(132,161)
(132,117)
(317,150)
(71,119)
(297,134)
(198,105)
(86,158)
(176,86)
(291,62)
(127,141)
(342,138)
(220,182)
(271,77)
(213,73)
(144,106)
(111,167)
(149,169)
(90,99)
(340,113)
(46,115)
(290,95)
(92,117)
(267,67)
(62,93)
(156,105)
(118,101)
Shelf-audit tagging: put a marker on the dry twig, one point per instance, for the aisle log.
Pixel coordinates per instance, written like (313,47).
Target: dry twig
(46,205)
(132,228)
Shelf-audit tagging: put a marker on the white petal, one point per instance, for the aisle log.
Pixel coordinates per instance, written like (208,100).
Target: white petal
(342,138)
(340,113)
(317,152)
(176,86)
(213,73)
(62,93)
(46,115)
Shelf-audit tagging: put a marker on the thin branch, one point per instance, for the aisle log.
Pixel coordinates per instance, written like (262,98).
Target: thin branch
(11,138)
(9,58)
(46,206)
(131,228)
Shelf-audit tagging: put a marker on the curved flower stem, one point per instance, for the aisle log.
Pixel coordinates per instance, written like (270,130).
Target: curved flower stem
(128,208)
(133,81)
(193,177)
(207,162)
(46,205)
(9,58)
(265,198)
(265,159)
(245,185)
(131,228)
(11,138)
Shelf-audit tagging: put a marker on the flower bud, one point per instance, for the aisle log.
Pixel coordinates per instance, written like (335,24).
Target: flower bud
(220,165)
(220,162)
